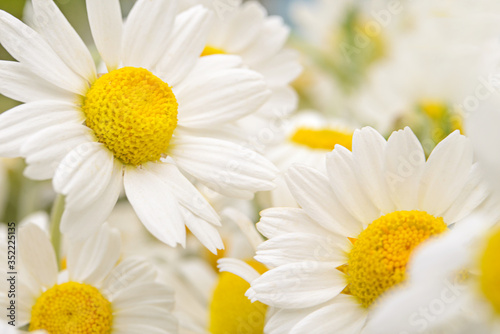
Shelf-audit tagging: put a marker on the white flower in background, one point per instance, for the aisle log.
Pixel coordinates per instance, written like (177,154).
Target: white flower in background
(142,124)
(306,139)
(351,238)
(96,294)
(246,30)
(453,285)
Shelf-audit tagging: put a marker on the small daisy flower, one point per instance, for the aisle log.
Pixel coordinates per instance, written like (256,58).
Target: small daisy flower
(141,125)
(460,293)
(246,30)
(96,294)
(350,240)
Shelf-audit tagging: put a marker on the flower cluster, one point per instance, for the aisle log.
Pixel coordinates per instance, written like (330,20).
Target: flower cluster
(201,166)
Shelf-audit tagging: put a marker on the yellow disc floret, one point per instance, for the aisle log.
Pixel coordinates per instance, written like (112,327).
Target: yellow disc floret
(231,311)
(72,308)
(133,113)
(490,271)
(325,139)
(380,254)
(210,50)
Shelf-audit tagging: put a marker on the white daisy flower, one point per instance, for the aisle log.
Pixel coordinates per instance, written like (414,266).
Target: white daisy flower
(141,124)
(351,238)
(305,139)
(246,30)
(459,293)
(96,294)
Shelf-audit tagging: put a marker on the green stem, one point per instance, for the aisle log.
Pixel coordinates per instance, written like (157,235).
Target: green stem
(55,222)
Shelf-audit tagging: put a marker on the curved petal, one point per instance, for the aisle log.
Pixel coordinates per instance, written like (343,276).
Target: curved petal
(222,165)
(90,261)
(281,69)
(27,46)
(298,285)
(146,32)
(155,205)
(19,83)
(63,39)
(21,122)
(83,174)
(239,268)
(185,45)
(206,233)
(38,255)
(105,18)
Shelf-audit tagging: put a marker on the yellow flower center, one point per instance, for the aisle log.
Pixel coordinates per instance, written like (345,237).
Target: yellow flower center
(380,254)
(490,271)
(325,139)
(133,113)
(72,308)
(231,311)
(210,50)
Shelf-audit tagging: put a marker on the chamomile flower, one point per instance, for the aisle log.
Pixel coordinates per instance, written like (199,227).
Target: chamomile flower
(96,294)
(350,240)
(141,125)
(246,30)
(459,293)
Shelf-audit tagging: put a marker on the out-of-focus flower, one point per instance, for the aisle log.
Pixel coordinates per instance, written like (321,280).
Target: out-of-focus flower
(351,238)
(97,292)
(141,125)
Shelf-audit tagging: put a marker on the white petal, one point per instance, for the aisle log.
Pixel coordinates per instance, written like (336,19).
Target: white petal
(19,83)
(405,162)
(83,174)
(146,32)
(368,150)
(217,97)
(128,272)
(312,191)
(284,320)
(151,319)
(245,224)
(27,46)
(185,192)
(79,224)
(280,221)
(281,69)
(445,174)
(63,39)
(185,45)
(474,192)
(242,29)
(106,24)
(38,255)
(155,205)
(45,150)
(239,268)
(206,233)
(270,41)
(19,123)
(345,182)
(298,285)
(223,165)
(143,294)
(300,247)
(342,315)
(92,260)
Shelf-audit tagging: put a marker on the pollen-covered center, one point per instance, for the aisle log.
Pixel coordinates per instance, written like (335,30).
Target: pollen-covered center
(380,254)
(489,278)
(231,311)
(133,113)
(322,138)
(72,308)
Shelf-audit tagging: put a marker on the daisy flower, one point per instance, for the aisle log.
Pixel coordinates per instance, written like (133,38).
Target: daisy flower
(350,240)
(140,125)
(459,293)
(246,30)
(96,294)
